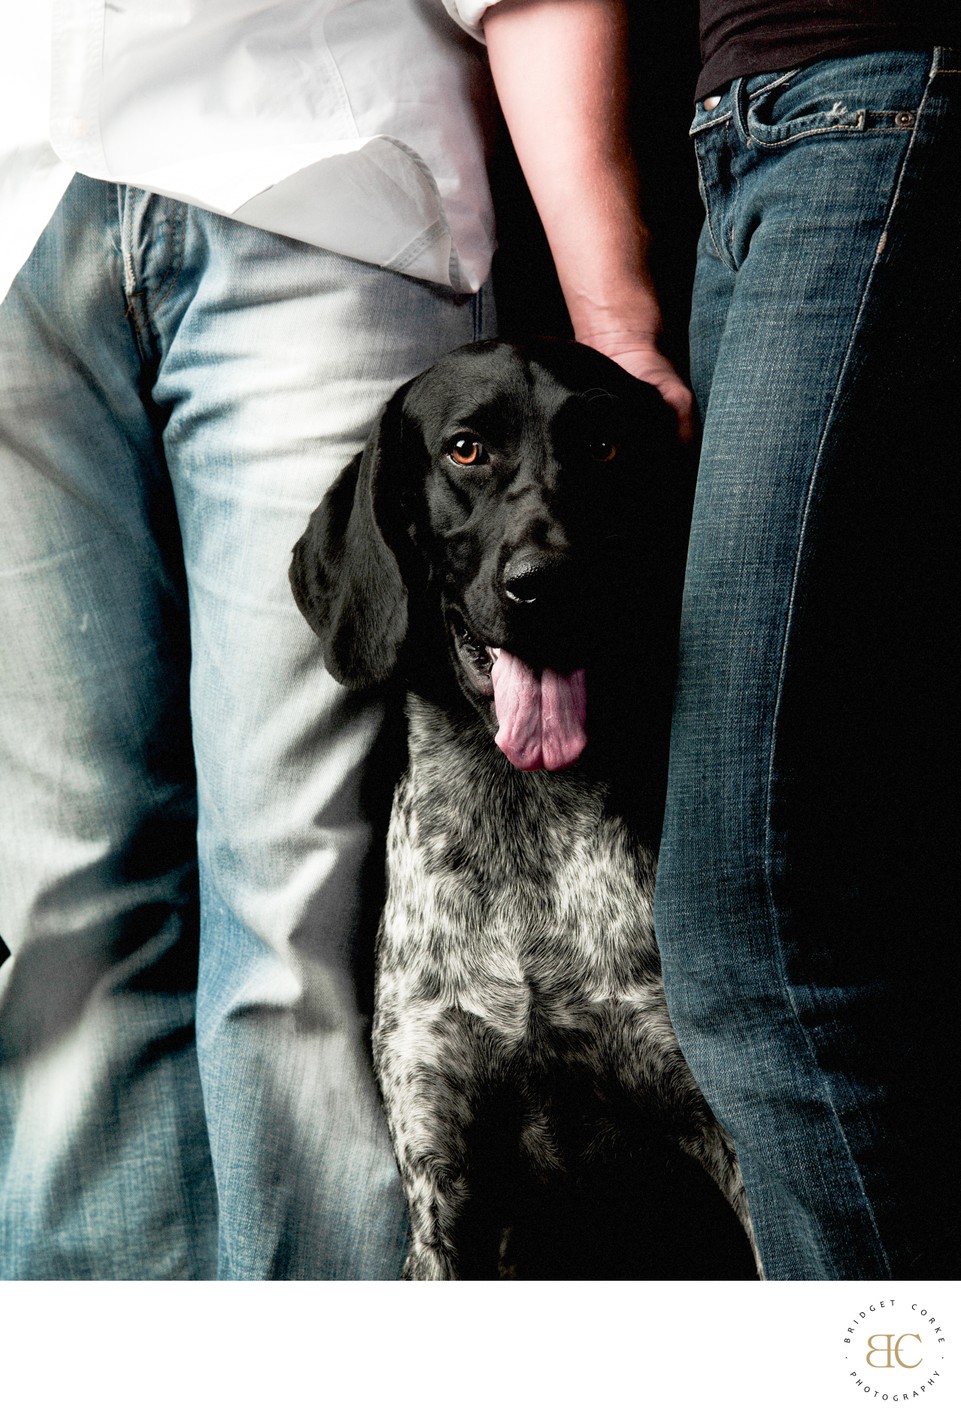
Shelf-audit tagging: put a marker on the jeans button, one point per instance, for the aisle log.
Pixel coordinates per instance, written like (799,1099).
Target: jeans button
(711,103)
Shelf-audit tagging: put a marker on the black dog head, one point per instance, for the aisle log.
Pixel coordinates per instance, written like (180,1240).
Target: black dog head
(518,516)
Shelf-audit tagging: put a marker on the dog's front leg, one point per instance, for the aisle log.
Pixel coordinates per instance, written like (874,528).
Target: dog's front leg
(435,1202)
(647,1061)
(428,1065)
(709,1144)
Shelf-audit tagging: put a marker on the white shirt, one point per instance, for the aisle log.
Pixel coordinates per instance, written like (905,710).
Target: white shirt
(356,125)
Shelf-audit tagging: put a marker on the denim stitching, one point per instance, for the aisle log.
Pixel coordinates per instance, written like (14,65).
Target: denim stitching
(774,83)
(834,130)
(697,128)
(177,246)
(782,670)
(705,197)
(842,130)
(740,104)
(135,296)
(943,52)
(723,115)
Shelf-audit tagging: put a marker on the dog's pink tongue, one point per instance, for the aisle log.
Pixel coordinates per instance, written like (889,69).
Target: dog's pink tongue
(540,717)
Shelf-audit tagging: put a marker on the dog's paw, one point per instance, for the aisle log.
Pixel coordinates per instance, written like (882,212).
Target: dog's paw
(425,1263)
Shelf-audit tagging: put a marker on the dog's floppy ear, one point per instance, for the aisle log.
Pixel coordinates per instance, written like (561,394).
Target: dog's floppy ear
(344,572)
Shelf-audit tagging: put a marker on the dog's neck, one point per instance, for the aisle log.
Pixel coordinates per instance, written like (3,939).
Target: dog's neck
(455,764)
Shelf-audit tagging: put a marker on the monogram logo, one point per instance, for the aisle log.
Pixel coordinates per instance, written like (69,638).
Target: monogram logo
(891,1350)
(894,1349)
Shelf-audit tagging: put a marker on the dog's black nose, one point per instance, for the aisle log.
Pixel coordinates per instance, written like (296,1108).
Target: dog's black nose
(531,576)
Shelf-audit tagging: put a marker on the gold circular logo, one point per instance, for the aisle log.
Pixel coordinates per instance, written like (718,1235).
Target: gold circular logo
(894,1349)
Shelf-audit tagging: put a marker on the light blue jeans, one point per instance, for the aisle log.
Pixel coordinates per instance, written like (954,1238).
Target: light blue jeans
(187,797)
(806,894)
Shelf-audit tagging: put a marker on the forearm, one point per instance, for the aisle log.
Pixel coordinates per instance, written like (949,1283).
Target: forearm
(559,67)
(560,70)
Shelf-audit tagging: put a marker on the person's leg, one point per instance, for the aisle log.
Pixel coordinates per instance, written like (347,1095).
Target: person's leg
(802,901)
(273,360)
(104,1166)
(167,370)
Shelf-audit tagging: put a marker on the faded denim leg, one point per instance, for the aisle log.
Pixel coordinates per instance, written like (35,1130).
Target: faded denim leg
(803,893)
(104,1163)
(166,720)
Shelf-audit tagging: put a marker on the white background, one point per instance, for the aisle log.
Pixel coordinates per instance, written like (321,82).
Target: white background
(203,1350)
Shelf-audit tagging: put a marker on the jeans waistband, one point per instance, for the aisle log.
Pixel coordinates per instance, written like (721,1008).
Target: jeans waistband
(942,60)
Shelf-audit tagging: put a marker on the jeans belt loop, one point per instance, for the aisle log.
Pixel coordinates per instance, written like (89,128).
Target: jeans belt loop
(739,105)
(946,60)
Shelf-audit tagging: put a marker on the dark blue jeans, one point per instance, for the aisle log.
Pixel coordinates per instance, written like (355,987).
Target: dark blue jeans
(805,897)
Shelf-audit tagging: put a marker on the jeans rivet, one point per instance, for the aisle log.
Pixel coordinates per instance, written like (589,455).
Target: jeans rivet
(904,119)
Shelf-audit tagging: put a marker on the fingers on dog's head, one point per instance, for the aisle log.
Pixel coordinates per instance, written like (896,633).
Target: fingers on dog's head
(344,571)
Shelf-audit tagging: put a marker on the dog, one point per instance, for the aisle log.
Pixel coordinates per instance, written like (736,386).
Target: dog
(510,546)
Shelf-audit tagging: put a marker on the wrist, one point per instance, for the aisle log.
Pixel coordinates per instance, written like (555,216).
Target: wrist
(619,340)
(607,285)
(616,320)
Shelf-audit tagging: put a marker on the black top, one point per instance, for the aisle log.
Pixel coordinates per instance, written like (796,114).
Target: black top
(740,37)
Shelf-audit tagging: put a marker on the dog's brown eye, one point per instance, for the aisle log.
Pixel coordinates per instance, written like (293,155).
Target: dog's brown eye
(602,451)
(467,452)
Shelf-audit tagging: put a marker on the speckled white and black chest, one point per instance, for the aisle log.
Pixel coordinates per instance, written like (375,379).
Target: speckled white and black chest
(521,1033)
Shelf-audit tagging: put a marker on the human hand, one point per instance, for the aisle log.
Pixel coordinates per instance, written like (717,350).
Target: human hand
(640,356)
